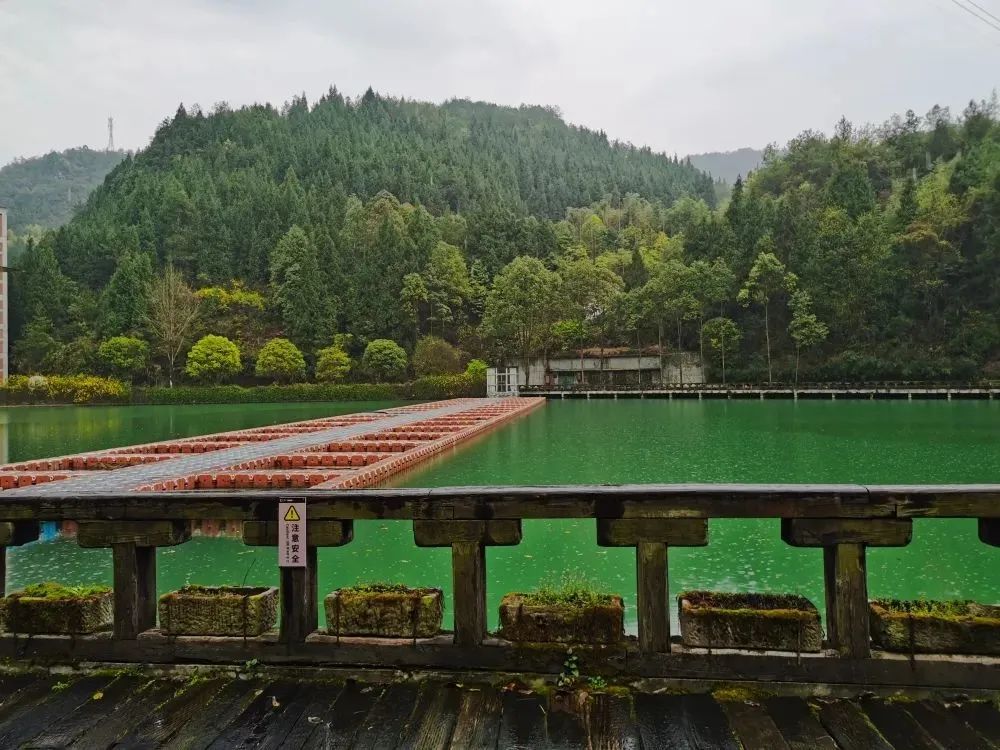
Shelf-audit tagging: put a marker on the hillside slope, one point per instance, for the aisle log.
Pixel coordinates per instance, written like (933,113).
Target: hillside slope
(213,193)
(45,190)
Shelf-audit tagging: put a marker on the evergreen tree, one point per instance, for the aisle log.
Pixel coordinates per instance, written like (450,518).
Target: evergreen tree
(305,306)
(125,299)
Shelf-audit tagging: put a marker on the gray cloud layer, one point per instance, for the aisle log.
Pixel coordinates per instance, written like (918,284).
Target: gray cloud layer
(678,76)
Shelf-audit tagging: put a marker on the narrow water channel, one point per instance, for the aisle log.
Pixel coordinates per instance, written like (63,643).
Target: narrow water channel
(591,442)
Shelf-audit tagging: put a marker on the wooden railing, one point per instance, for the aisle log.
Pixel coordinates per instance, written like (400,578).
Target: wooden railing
(844,520)
(887,386)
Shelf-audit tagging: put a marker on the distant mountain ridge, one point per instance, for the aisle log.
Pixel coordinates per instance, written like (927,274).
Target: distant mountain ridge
(728,165)
(45,190)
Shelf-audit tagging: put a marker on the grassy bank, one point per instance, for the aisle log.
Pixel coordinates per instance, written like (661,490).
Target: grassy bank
(20,390)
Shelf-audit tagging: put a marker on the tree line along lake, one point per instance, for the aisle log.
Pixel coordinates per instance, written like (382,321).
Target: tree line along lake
(584,442)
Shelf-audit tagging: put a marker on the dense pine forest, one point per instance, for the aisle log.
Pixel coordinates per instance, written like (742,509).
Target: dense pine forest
(303,242)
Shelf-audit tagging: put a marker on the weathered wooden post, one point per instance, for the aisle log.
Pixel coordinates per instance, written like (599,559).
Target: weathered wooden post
(845,572)
(468,541)
(651,537)
(299,603)
(133,548)
(14,534)
(989,531)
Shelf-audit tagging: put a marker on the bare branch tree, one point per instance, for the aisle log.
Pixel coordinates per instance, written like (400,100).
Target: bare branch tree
(173,312)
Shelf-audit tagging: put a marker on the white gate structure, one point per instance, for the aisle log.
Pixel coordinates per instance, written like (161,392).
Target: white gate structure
(501,382)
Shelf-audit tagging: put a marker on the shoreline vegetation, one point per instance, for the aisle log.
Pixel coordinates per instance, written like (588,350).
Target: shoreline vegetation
(93,390)
(379,239)
(84,390)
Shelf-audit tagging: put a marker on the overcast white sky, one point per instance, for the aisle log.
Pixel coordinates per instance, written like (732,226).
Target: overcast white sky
(680,76)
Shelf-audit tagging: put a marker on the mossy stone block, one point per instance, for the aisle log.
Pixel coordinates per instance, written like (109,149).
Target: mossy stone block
(245,611)
(63,616)
(403,613)
(770,622)
(935,627)
(521,621)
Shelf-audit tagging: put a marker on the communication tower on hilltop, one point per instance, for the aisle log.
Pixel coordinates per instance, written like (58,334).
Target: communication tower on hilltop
(111,134)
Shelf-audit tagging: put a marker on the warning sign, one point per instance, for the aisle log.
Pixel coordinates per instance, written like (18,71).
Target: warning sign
(292,533)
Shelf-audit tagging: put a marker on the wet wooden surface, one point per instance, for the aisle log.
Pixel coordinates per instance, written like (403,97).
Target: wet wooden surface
(131,711)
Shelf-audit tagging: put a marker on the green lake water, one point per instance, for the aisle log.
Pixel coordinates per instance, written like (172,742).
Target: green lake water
(591,442)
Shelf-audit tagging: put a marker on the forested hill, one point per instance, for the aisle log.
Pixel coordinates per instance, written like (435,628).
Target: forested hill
(44,190)
(728,165)
(867,254)
(215,192)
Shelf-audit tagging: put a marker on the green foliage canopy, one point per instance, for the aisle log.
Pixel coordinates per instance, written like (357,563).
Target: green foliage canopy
(213,359)
(124,356)
(384,360)
(282,361)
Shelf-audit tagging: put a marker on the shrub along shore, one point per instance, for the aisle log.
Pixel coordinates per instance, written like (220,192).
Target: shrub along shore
(91,389)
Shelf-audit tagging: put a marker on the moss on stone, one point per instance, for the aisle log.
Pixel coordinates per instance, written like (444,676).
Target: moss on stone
(780,622)
(570,591)
(384,610)
(219,610)
(964,610)
(774,606)
(521,620)
(58,609)
(381,588)
(53,591)
(921,626)
(739,694)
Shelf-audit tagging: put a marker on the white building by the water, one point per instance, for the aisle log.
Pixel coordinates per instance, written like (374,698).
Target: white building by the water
(615,369)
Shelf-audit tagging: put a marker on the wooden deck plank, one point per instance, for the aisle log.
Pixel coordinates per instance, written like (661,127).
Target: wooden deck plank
(610,725)
(270,713)
(34,717)
(121,718)
(285,717)
(30,690)
(64,730)
(478,721)
(897,726)
(433,719)
(850,727)
(319,700)
(11,685)
(384,726)
(753,726)
(795,721)
(231,701)
(946,729)
(169,717)
(683,721)
(522,723)
(340,724)
(135,713)
(565,721)
(983,717)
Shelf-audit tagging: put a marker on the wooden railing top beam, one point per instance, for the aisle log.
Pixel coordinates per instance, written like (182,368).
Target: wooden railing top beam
(485,503)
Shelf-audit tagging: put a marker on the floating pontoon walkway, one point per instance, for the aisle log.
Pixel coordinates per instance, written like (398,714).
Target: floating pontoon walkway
(352,451)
